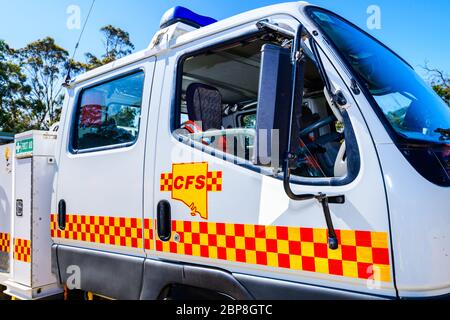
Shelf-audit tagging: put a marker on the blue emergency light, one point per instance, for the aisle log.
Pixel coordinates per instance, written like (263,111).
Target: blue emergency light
(182,14)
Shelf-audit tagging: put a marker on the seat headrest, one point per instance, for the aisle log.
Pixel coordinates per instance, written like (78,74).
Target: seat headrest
(204,104)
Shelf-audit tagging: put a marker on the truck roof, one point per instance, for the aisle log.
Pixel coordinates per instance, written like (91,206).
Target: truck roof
(192,35)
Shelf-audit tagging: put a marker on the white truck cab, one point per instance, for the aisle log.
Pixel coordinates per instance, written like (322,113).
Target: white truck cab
(279,154)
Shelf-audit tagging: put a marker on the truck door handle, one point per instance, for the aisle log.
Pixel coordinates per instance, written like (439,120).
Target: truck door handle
(164,220)
(62,215)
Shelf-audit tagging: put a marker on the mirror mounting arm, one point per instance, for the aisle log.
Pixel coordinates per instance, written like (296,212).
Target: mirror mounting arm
(298,60)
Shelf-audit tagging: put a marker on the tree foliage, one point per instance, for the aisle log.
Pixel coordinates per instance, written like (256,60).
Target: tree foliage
(117,44)
(13,92)
(45,64)
(440,81)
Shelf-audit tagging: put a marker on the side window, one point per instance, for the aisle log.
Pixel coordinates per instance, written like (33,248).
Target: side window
(219,100)
(109,114)
(218,96)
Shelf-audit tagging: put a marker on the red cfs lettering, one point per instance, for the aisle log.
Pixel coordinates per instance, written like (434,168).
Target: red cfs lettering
(187,182)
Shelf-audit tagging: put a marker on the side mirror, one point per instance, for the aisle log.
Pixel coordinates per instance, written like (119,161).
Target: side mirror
(274,101)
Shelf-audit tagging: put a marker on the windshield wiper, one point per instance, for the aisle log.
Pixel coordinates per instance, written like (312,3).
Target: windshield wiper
(445,134)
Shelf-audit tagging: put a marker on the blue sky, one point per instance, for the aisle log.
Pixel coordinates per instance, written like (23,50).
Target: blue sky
(417,30)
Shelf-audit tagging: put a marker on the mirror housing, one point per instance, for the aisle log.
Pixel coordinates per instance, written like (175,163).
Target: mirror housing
(273,112)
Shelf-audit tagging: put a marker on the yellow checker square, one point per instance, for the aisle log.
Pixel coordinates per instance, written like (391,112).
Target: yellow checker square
(128,242)
(320,236)
(221,241)
(187,238)
(231,254)
(250,257)
(249,231)
(180,248)
(134,233)
(204,240)
(296,262)
(294,234)
(271,232)
(321,265)
(212,228)
(379,240)
(128,223)
(83,228)
(335,254)
(229,229)
(364,254)
(381,273)
(348,238)
(139,223)
(350,269)
(195,227)
(212,252)
(307,249)
(260,245)
(196,252)
(272,259)
(283,246)
(123,231)
(116,221)
(179,226)
(240,243)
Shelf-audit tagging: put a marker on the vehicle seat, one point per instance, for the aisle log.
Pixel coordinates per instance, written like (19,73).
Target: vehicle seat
(204,106)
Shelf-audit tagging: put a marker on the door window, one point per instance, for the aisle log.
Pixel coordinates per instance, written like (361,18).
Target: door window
(109,114)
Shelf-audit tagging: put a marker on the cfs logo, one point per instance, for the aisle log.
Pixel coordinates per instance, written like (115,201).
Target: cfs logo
(190,183)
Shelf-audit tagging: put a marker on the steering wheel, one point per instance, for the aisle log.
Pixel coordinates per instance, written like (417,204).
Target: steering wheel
(317,125)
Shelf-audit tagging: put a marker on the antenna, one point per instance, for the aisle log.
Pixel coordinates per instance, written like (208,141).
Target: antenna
(66,82)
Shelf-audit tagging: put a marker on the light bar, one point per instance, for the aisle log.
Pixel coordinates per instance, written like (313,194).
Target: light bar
(182,14)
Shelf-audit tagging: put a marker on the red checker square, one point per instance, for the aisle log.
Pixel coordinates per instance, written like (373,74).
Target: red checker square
(203,227)
(173,247)
(231,242)
(308,264)
(123,222)
(295,248)
(174,225)
(187,226)
(306,235)
(272,245)
(363,238)
(204,251)
(163,176)
(220,229)
(133,223)
(320,250)
(102,221)
(349,253)
(188,249)
(195,238)
(139,234)
(261,258)
(128,232)
(282,233)
(222,253)
(250,244)
(212,240)
(146,244)
(219,187)
(102,238)
(335,267)
(260,232)
(83,219)
(209,175)
(219,174)
(284,261)
(365,270)
(380,256)
(123,241)
(239,230)
(159,246)
(240,255)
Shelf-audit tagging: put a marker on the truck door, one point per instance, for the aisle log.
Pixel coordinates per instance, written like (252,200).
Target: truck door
(228,213)
(101,162)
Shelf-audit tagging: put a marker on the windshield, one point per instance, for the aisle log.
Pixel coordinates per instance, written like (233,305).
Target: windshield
(412,108)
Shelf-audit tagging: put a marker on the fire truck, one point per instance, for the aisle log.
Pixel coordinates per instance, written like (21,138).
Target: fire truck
(282,153)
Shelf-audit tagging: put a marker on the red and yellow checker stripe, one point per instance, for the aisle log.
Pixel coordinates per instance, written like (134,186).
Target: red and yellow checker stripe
(122,232)
(22,250)
(5,240)
(361,254)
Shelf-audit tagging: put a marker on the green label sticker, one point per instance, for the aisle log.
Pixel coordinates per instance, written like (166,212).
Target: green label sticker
(24,147)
